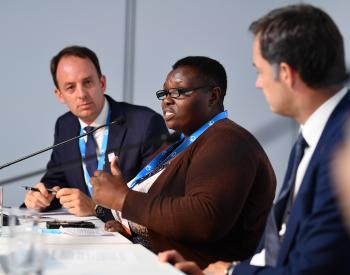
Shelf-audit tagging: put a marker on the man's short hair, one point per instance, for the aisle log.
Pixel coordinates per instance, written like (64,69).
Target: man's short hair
(306,38)
(77,51)
(209,69)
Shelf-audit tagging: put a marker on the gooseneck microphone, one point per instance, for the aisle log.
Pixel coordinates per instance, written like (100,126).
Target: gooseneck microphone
(163,139)
(58,144)
(170,138)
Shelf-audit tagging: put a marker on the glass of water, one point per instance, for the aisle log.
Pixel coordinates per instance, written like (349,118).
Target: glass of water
(1,208)
(26,250)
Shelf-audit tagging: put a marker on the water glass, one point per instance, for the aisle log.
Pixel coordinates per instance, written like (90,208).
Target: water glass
(1,208)
(26,251)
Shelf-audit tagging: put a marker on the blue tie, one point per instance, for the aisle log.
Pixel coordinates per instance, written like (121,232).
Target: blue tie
(280,211)
(90,154)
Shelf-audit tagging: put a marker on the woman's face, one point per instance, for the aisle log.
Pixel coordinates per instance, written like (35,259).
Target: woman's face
(189,112)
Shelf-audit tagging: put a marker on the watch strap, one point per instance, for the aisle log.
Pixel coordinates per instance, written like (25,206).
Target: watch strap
(104,214)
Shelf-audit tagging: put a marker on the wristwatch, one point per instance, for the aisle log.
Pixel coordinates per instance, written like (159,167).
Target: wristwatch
(104,214)
(100,211)
(229,270)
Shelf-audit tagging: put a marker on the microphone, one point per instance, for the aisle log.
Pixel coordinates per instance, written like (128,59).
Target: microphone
(167,138)
(59,144)
(163,139)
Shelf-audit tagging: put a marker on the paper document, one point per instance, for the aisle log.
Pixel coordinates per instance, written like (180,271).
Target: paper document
(63,215)
(84,231)
(61,211)
(67,217)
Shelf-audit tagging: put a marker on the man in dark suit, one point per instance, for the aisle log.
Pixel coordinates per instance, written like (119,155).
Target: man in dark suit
(299,56)
(81,86)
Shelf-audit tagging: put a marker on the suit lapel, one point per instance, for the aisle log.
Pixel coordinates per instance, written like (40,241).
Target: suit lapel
(117,131)
(303,201)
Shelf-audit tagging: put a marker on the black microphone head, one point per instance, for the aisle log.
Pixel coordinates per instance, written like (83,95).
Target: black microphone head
(117,121)
(170,138)
(114,122)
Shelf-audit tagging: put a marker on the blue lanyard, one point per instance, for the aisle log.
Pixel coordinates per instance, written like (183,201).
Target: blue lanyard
(165,157)
(101,157)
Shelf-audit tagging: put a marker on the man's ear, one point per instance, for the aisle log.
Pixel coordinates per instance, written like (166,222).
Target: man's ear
(215,96)
(59,96)
(287,74)
(103,82)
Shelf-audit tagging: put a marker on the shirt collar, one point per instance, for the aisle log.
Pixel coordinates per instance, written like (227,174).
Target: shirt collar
(313,127)
(101,118)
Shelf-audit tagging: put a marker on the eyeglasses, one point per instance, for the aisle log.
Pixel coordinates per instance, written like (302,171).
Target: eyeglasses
(176,92)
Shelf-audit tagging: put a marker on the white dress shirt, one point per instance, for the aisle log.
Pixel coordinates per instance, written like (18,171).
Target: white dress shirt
(98,135)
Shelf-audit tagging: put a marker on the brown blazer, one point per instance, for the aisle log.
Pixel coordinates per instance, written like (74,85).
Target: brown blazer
(212,201)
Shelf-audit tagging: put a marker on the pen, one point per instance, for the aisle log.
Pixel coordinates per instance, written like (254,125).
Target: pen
(28,188)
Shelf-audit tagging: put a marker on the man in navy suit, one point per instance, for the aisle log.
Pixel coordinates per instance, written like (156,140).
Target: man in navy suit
(81,86)
(298,53)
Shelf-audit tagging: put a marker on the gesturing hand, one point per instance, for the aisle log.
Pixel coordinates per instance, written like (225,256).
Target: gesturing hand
(109,190)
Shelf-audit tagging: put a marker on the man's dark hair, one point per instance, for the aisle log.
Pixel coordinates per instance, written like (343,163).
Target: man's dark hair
(77,51)
(306,38)
(209,69)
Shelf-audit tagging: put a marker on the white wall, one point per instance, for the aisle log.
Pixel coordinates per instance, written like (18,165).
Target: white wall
(166,30)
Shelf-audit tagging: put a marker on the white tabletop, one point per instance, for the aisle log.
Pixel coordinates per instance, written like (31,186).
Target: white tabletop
(95,255)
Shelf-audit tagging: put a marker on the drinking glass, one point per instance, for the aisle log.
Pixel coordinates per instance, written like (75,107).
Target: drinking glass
(26,250)
(1,208)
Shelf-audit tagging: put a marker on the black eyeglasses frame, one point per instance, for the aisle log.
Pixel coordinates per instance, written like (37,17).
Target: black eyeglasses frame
(162,94)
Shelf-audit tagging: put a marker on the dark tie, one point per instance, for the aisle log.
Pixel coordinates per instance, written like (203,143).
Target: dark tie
(90,154)
(279,213)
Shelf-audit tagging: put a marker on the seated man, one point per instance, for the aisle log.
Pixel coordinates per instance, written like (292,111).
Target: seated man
(81,86)
(208,194)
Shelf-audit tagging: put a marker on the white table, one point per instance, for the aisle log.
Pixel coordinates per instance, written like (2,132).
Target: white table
(97,255)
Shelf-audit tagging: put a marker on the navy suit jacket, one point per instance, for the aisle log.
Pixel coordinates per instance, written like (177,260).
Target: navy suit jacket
(130,140)
(315,241)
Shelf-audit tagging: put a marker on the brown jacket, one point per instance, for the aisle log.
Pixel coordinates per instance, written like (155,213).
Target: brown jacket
(212,201)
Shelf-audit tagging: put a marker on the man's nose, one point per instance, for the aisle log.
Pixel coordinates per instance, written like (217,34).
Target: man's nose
(81,91)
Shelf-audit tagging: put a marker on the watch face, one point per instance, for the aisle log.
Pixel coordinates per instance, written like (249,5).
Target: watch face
(99,211)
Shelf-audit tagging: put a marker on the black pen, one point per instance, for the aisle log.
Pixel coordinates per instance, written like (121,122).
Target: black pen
(50,191)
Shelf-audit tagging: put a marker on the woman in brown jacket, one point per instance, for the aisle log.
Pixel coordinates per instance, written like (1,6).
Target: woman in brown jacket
(208,195)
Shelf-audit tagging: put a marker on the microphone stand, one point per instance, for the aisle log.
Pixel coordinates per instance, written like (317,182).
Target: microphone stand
(56,145)
(170,138)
